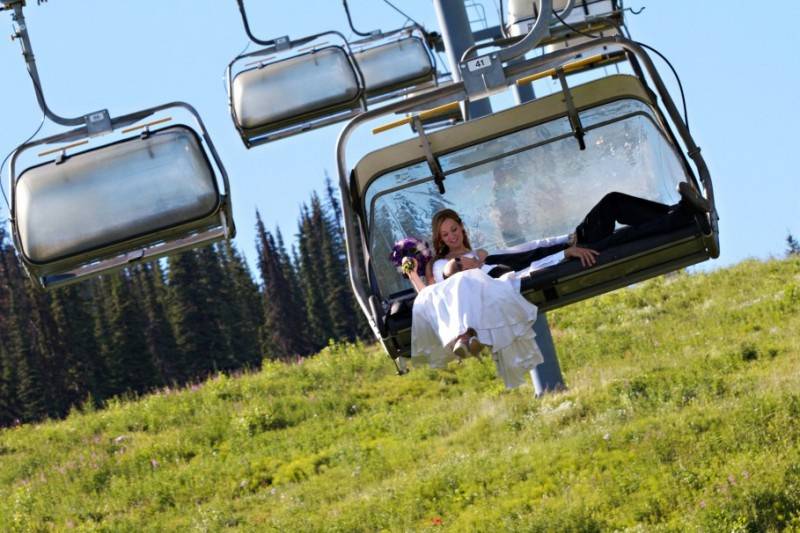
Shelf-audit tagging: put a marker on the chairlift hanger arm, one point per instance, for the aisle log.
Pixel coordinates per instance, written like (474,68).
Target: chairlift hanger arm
(353,28)
(247,30)
(280,43)
(540,29)
(21,34)
(484,75)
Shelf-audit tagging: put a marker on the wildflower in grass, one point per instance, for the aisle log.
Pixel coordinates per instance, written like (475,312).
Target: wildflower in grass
(437,521)
(154,464)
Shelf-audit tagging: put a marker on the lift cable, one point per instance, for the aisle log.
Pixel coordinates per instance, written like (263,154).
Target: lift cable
(662,56)
(402,13)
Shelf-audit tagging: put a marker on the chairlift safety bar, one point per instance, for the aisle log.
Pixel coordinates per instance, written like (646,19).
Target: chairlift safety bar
(428,113)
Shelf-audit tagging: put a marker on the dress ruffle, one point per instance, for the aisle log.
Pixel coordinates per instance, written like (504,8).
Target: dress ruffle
(494,308)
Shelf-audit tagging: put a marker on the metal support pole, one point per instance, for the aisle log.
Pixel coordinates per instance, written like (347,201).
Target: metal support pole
(547,376)
(457,36)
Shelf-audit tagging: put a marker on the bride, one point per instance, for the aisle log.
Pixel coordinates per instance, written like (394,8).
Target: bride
(459,316)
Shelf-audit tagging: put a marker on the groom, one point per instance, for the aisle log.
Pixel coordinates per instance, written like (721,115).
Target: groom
(595,233)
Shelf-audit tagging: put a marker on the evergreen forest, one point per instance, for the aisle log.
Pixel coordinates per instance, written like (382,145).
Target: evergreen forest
(175,321)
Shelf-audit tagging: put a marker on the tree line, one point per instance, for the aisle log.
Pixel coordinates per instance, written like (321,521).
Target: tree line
(173,321)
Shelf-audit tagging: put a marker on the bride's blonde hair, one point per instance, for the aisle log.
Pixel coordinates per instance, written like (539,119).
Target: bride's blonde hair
(439,247)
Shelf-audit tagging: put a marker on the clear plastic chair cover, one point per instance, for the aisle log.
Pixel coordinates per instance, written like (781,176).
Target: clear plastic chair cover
(302,85)
(114,193)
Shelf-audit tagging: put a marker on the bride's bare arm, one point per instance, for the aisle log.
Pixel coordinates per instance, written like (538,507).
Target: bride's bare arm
(414,277)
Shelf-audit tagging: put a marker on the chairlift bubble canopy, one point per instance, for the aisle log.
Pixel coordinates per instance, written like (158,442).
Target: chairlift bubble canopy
(147,193)
(275,92)
(400,61)
(519,175)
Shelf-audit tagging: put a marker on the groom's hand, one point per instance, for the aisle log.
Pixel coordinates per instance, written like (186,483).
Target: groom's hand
(468,263)
(587,256)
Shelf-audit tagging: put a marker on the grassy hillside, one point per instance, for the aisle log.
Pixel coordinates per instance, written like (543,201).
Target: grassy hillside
(682,414)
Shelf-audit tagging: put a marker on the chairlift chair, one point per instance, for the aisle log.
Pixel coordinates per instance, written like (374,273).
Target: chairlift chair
(395,64)
(529,159)
(140,186)
(146,194)
(276,92)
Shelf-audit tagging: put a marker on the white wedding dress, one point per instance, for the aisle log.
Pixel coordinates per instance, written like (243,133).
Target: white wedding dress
(494,308)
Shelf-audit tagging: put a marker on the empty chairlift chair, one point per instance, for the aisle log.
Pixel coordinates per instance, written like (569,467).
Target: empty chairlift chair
(292,87)
(520,175)
(91,207)
(395,64)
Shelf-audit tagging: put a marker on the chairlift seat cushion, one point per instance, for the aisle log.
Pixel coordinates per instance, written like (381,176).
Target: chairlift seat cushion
(398,64)
(114,193)
(296,87)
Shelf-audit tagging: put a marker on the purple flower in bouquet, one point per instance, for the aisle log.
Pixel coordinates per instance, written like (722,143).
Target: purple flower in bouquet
(412,248)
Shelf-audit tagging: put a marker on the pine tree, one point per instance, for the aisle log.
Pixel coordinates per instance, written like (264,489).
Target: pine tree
(159,339)
(245,308)
(71,312)
(338,296)
(131,367)
(219,353)
(100,294)
(298,313)
(28,383)
(357,325)
(31,371)
(312,280)
(10,409)
(280,339)
(792,246)
(197,332)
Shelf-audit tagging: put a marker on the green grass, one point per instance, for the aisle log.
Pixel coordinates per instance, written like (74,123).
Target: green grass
(682,414)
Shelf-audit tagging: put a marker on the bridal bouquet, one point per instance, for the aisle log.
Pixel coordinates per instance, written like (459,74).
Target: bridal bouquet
(410,248)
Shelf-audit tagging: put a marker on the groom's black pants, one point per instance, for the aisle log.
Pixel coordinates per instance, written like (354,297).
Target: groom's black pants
(641,217)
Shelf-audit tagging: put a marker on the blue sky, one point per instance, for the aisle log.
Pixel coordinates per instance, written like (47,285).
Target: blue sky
(739,72)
